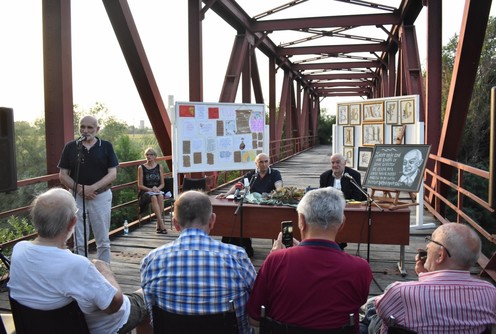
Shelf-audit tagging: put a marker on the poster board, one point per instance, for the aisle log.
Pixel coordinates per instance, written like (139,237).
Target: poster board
(397,167)
(217,136)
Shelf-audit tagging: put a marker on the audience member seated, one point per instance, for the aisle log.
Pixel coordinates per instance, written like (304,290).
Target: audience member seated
(197,274)
(313,284)
(150,186)
(44,275)
(446,299)
(337,177)
(262,180)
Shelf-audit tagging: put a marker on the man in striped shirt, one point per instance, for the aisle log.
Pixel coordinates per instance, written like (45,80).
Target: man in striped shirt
(196,274)
(446,298)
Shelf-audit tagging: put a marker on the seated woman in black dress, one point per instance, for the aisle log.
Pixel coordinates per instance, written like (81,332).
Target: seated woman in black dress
(150,185)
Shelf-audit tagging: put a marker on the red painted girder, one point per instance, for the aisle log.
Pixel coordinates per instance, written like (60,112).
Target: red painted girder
(132,49)
(341,84)
(303,50)
(326,22)
(234,69)
(340,76)
(336,65)
(57,64)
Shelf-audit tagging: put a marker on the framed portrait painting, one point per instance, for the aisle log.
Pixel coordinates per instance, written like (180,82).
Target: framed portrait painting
(407,111)
(373,112)
(391,112)
(398,134)
(372,134)
(348,135)
(355,114)
(364,156)
(348,153)
(342,114)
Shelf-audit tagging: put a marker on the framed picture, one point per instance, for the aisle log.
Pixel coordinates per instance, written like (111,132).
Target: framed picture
(342,114)
(355,114)
(407,111)
(348,153)
(364,156)
(391,112)
(373,112)
(372,134)
(348,135)
(398,134)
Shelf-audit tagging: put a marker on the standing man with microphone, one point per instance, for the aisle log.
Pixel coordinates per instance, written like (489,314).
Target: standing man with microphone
(262,180)
(341,177)
(87,167)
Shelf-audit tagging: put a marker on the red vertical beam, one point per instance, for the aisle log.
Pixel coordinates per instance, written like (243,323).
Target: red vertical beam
(434,75)
(195,38)
(391,73)
(255,79)
(474,24)
(246,77)
(272,98)
(57,64)
(412,69)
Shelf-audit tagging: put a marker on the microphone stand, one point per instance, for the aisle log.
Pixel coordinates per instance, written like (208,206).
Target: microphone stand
(239,210)
(370,200)
(79,145)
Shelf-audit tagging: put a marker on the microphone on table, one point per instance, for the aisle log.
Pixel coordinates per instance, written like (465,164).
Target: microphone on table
(81,139)
(239,187)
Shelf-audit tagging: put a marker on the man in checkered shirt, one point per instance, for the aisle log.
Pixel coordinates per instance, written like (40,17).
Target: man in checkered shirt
(196,274)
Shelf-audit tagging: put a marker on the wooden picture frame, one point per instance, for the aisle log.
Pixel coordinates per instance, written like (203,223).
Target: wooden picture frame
(364,157)
(348,135)
(355,114)
(342,117)
(372,134)
(407,111)
(373,112)
(348,153)
(398,134)
(391,112)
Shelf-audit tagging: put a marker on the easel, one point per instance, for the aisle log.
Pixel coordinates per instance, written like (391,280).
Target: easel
(391,201)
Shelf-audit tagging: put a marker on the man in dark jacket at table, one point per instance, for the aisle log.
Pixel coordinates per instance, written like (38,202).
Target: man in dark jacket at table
(339,177)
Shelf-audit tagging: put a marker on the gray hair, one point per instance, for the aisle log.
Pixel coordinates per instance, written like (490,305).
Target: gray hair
(52,212)
(192,208)
(323,207)
(462,242)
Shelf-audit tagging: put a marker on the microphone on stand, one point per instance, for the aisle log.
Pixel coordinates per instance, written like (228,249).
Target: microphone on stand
(81,139)
(239,187)
(347,175)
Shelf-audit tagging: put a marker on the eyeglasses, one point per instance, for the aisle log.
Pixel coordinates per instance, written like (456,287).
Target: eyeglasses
(263,161)
(150,154)
(429,239)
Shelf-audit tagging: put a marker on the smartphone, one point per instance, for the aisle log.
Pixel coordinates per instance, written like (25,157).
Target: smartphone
(422,255)
(287,233)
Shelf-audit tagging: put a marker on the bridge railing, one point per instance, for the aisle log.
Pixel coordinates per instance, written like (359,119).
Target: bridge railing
(436,203)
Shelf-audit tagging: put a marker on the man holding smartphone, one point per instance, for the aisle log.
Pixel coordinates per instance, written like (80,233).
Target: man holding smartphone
(314,285)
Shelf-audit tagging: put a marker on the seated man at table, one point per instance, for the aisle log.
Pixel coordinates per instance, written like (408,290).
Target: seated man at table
(196,274)
(313,284)
(450,299)
(44,275)
(262,180)
(339,177)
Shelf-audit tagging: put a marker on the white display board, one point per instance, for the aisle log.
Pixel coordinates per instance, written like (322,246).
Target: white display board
(217,136)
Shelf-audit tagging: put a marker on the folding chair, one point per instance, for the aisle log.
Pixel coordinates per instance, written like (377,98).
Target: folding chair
(271,326)
(166,322)
(67,319)
(395,328)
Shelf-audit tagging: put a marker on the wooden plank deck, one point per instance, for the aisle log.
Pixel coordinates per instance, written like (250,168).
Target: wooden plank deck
(300,171)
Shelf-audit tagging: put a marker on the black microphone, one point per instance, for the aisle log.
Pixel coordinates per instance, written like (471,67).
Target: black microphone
(238,186)
(81,139)
(348,176)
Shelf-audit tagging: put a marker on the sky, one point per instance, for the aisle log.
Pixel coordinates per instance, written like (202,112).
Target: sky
(100,73)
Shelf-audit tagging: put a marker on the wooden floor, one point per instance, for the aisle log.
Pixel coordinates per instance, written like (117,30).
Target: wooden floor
(300,171)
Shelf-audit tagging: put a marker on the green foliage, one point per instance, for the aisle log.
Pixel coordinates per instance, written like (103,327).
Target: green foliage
(14,228)
(324,129)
